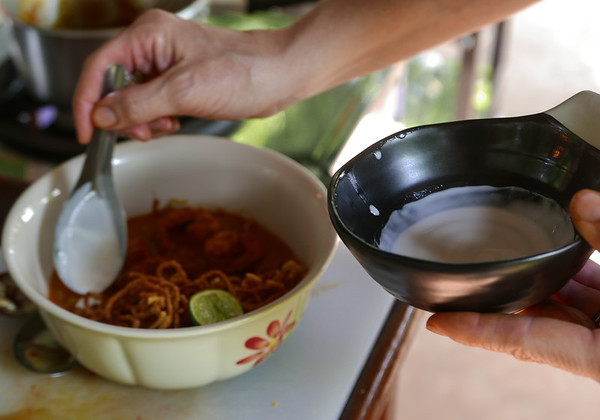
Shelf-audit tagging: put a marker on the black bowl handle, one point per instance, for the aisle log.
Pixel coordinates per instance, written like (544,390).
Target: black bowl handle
(581,115)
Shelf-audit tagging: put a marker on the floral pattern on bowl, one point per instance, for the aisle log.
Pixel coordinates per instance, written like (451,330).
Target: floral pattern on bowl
(276,332)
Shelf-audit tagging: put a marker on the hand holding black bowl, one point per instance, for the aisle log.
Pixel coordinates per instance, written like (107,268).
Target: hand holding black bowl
(559,331)
(552,299)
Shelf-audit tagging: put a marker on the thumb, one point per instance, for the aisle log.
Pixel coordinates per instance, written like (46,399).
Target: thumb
(585,213)
(133,106)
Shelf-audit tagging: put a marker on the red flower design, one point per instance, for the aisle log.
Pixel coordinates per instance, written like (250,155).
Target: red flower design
(276,333)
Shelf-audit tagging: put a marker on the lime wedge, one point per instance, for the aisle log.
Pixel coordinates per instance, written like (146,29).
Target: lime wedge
(213,305)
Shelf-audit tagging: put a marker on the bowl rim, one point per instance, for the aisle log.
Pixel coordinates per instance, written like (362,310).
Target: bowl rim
(44,304)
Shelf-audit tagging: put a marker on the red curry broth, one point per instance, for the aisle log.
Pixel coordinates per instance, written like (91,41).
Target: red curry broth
(198,239)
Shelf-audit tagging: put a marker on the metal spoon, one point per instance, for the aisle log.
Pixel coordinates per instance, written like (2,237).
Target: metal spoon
(90,238)
(36,349)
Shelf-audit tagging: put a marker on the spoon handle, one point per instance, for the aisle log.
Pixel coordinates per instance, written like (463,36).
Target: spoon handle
(100,149)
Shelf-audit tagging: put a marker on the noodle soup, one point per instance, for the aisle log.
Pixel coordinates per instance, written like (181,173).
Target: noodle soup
(175,252)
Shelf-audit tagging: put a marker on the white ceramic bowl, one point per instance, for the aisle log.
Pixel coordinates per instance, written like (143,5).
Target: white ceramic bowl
(211,171)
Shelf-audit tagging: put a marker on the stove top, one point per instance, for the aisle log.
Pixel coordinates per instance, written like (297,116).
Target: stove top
(46,132)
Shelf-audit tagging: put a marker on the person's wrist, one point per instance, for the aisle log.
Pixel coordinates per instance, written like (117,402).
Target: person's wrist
(275,73)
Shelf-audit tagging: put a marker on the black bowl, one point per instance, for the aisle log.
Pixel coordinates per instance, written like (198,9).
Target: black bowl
(536,153)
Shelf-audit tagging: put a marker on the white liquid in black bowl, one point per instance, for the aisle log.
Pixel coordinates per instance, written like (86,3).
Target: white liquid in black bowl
(477,224)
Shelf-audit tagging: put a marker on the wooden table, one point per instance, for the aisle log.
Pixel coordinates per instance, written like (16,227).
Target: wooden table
(373,395)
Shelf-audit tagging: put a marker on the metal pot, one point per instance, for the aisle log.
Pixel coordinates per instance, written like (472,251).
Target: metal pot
(49,61)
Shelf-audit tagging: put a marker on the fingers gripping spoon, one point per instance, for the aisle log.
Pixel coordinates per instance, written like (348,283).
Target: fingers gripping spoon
(90,238)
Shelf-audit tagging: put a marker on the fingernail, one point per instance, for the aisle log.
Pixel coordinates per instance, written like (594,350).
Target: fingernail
(433,326)
(104,117)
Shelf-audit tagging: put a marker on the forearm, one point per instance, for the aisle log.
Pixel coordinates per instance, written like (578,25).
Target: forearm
(341,39)
(211,72)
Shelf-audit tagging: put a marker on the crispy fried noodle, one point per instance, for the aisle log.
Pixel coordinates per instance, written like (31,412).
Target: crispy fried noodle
(161,300)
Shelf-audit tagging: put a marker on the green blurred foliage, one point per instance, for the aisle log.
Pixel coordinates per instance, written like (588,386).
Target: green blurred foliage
(313,131)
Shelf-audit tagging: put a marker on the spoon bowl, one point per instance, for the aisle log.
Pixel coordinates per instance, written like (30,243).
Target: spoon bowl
(36,349)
